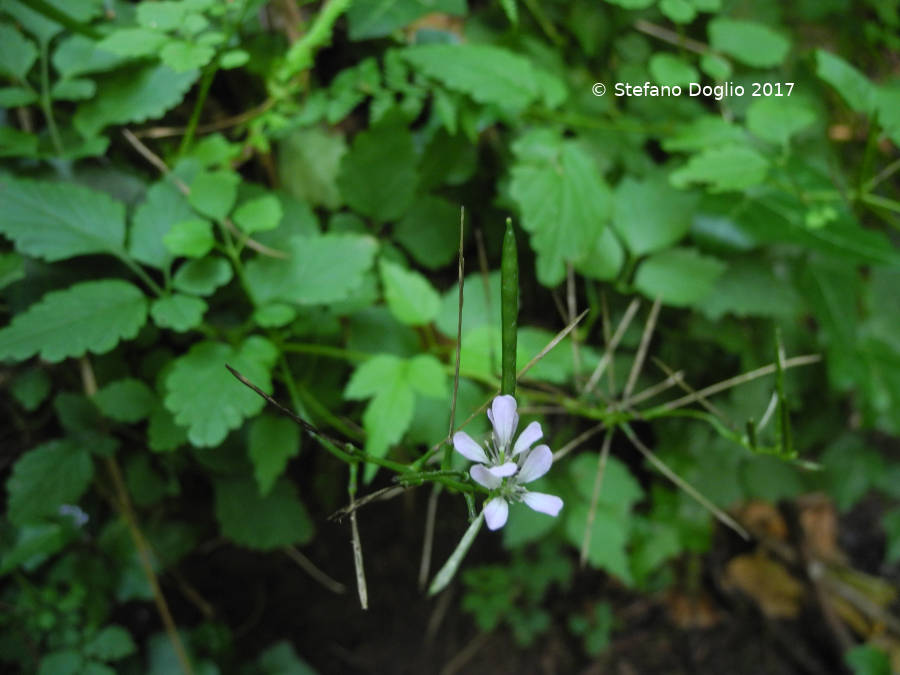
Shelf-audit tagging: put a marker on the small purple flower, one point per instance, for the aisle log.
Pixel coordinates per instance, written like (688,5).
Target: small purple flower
(503,469)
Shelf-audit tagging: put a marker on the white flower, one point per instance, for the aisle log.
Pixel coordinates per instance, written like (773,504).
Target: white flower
(504,470)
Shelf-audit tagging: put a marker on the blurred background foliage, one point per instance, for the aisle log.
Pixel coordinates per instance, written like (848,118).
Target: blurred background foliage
(277,185)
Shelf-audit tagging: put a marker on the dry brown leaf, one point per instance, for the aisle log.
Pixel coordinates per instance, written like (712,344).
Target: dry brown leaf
(768,582)
(691,610)
(763,520)
(819,522)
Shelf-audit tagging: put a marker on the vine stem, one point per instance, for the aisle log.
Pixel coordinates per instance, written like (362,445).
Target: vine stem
(46,105)
(126,510)
(509,310)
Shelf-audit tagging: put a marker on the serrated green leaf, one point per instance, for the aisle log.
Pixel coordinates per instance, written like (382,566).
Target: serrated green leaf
(73,90)
(88,317)
(378,175)
(367,379)
(609,536)
(133,97)
(262,213)
(206,398)
(165,15)
(426,375)
(11,97)
(650,215)
(854,87)
(110,644)
(55,221)
(191,238)
(309,161)
(203,276)
(163,207)
(266,523)
(78,55)
(378,18)
(275,315)
(320,270)
(182,56)
(126,400)
(680,11)
(271,443)
(178,312)
(17,53)
(751,43)
(46,477)
(213,193)
(733,167)
(412,300)
(133,42)
(490,75)
(678,276)
(777,119)
(603,259)
(562,198)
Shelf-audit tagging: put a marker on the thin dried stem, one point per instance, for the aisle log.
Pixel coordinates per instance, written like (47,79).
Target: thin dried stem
(607,336)
(611,346)
(671,37)
(664,469)
(428,539)
(688,388)
(792,362)
(226,123)
(578,440)
(126,510)
(310,568)
(550,345)
(595,497)
(642,350)
(358,562)
(573,311)
(650,392)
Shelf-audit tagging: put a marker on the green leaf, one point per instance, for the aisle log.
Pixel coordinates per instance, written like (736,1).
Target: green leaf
(163,434)
(31,388)
(603,259)
(868,660)
(202,276)
(651,215)
(282,659)
(271,443)
(680,11)
(178,312)
(182,56)
(671,70)
(854,87)
(275,315)
(133,42)
(262,213)
(166,15)
(12,267)
(90,316)
(430,231)
(62,662)
(480,306)
(110,644)
(777,119)
(707,131)
(135,96)
(46,477)
(73,90)
(426,375)
(265,523)
(213,193)
(751,43)
(55,221)
(78,55)
(11,97)
(33,545)
(750,289)
(192,238)
(308,164)
(378,18)
(678,276)
(891,524)
(490,75)
(206,398)
(163,207)
(562,198)
(609,536)
(733,167)
(411,298)
(126,400)
(320,270)
(632,4)
(17,53)
(378,175)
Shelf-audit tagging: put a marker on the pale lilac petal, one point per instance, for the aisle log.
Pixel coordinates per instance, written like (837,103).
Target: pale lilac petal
(505,419)
(543,503)
(468,448)
(496,512)
(527,438)
(504,470)
(483,477)
(536,464)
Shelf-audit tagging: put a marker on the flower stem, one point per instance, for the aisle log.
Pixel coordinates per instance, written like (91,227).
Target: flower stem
(509,309)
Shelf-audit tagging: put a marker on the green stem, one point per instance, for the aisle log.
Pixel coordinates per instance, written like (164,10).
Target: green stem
(325,350)
(46,105)
(509,309)
(300,55)
(141,274)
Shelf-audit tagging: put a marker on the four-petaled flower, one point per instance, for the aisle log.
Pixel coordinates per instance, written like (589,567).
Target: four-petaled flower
(503,469)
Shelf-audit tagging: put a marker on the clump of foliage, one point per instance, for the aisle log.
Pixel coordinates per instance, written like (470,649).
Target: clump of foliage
(276,186)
